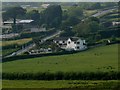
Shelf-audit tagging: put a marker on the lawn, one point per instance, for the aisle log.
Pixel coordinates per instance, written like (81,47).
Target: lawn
(104,58)
(87,84)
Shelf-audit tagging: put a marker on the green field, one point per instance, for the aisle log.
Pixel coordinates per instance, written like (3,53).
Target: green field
(98,84)
(104,58)
(19,42)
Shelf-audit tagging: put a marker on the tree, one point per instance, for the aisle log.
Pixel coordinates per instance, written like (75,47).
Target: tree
(88,26)
(96,6)
(13,13)
(75,12)
(52,16)
(71,21)
(94,19)
(82,29)
(34,15)
(93,26)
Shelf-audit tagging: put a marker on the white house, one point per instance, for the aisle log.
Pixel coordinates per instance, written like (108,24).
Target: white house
(115,23)
(71,43)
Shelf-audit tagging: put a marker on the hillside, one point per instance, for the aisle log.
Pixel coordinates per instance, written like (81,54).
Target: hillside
(104,58)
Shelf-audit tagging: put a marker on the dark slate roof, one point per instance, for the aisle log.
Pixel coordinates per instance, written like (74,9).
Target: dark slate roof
(66,38)
(74,38)
(61,38)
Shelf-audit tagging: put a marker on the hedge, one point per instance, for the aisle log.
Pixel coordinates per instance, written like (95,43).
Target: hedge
(63,76)
(5,59)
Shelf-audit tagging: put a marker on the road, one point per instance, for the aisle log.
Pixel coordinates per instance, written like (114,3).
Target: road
(33,45)
(102,12)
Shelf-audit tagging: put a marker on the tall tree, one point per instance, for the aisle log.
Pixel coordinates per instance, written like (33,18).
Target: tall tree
(75,12)
(52,16)
(13,13)
(34,15)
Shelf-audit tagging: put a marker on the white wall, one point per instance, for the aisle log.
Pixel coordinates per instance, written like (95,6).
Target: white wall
(73,46)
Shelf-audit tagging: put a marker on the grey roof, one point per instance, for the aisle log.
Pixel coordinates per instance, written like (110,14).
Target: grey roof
(19,21)
(61,38)
(66,38)
(74,38)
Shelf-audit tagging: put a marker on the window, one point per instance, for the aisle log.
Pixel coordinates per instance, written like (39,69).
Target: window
(69,42)
(63,41)
(74,42)
(57,41)
(78,42)
(78,47)
(84,43)
(60,44)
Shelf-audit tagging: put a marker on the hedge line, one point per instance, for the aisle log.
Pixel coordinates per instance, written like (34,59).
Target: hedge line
(37,55)
(63,76)
(109,33)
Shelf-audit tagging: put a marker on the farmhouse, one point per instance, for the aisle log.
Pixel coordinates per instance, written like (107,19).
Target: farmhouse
(70,43)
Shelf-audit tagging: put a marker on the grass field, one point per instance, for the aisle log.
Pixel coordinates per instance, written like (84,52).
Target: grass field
(103,59)
(19,42)
(98,84)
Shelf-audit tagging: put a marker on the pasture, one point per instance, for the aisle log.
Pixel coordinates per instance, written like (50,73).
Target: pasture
(104,58)
(86,84)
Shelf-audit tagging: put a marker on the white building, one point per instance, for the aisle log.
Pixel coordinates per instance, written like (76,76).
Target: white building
(71,43)
(115,23)
(45,5)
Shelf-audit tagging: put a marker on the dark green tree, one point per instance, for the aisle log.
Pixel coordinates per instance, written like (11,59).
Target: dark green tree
(52,16)
(75,12)
(34,15)
(13,13)
(96,6)
(71,21)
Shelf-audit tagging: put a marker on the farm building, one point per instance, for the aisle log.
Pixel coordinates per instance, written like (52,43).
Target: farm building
(70,43)
(45,5)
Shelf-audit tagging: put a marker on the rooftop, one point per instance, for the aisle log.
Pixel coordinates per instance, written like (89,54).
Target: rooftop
(66,38)
(18,21)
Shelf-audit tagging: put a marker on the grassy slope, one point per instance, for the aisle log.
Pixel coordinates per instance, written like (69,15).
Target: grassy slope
(108,84)
(97,59)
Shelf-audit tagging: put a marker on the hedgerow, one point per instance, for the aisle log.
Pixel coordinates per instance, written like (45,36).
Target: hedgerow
(63,76)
